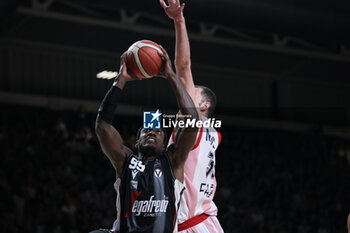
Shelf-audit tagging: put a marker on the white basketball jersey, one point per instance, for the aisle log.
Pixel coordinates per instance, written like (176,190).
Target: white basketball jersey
(200,178)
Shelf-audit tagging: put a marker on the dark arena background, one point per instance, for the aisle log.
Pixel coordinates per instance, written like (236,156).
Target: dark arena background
(281,73)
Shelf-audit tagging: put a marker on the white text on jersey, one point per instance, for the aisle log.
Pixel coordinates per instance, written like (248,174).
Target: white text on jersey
(149,207)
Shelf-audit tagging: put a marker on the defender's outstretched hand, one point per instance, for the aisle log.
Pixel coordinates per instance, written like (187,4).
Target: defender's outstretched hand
(174,10)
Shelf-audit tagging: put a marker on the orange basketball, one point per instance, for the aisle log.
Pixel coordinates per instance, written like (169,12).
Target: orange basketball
(143,59)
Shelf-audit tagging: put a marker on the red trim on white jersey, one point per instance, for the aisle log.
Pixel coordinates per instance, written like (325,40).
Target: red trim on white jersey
(219,135)
(192,222)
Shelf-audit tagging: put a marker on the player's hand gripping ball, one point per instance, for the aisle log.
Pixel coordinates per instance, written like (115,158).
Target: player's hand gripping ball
(143,59)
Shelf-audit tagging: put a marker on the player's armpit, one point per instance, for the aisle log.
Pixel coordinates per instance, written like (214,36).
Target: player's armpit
(112,144)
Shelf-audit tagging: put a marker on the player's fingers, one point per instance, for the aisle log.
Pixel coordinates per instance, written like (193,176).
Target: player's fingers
(165,54)
(135,77)
(161,55)
(123,56)
(132,76)
(123,67)
(123,59)
(172,2)
(182,6)
(163,4)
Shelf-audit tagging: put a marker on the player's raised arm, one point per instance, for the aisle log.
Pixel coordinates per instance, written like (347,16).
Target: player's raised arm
(110,140)
(182,47)
(186,138)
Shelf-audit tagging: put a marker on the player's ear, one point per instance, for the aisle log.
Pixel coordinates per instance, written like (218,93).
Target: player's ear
(204,106)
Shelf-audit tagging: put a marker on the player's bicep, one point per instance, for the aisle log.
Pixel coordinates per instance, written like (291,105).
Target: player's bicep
(112,144)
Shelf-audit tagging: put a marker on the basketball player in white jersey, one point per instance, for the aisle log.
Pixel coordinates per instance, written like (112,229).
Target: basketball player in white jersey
(197,211)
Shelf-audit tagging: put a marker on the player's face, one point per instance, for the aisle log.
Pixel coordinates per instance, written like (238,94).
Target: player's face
(202,104)
(152,139)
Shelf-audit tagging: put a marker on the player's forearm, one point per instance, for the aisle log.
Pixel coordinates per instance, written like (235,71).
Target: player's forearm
(105,116)
(109,104)
(111,100)
(182,46)
(184,100)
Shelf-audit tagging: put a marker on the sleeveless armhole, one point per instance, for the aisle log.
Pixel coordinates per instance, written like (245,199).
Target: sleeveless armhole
(117,186)
(127,159)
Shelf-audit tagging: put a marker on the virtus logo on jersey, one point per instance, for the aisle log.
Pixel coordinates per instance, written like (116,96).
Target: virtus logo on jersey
(150,208)
(158,172)
(152,120)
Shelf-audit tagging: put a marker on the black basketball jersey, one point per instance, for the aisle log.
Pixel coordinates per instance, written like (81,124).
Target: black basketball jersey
(148,196)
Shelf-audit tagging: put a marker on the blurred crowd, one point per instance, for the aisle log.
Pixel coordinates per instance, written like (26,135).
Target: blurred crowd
(271,181)
(54,177)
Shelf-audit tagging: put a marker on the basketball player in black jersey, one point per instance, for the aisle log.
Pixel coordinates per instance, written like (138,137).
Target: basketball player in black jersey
(149,183)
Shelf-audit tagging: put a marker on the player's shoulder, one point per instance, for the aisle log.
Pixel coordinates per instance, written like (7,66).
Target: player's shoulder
(127,151)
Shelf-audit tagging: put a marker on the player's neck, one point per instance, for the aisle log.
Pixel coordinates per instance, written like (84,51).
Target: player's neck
(148,155)
(204,117)
(145,159)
